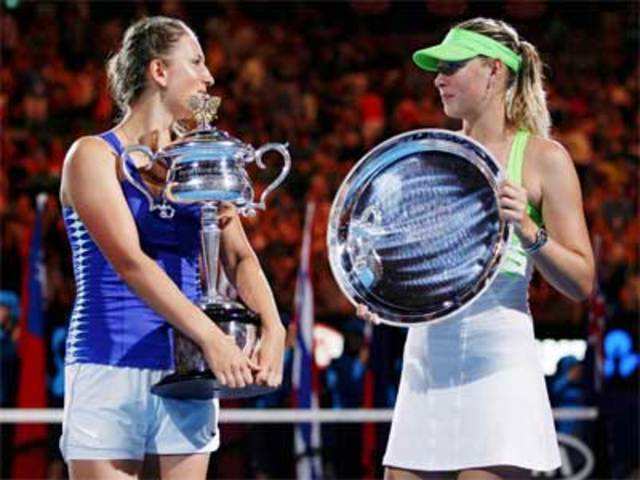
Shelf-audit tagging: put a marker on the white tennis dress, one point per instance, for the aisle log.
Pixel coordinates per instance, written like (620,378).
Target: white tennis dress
(472,390)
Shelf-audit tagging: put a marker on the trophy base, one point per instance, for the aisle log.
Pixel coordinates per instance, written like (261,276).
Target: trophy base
(203,386)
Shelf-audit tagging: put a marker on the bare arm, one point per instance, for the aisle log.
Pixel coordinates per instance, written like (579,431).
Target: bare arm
(91,186)
(566,261)
(244,271)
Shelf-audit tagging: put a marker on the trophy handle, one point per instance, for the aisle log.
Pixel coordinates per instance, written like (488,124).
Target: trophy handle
(281,148)
(166,211)
(123,159)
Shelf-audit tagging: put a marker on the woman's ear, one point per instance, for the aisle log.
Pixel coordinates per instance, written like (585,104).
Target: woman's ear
(490,70)
(497,71)
(158,71)
(498,66)
(501,71)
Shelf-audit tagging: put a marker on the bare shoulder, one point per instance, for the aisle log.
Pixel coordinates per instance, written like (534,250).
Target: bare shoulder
(87,159)
(549,155)
(86,148)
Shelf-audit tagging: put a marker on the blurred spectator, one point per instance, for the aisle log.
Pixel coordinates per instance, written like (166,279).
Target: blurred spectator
(9,313)
(265,461)
(9,368)
(344,379)
(568,389)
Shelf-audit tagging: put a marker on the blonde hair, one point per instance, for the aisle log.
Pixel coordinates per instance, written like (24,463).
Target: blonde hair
(525,102)
(145,40)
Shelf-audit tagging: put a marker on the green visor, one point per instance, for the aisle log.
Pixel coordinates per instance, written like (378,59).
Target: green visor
(460,44)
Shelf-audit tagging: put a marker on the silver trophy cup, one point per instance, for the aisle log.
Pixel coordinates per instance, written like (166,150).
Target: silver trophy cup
(415,232)
(207,166)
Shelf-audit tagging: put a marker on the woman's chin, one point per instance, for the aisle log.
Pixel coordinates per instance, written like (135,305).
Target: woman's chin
(451,112)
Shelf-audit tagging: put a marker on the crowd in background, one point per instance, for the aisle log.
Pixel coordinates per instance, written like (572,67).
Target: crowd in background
(332,80)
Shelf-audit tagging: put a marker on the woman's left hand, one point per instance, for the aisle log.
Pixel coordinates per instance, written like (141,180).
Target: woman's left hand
(270,356)
(513,208)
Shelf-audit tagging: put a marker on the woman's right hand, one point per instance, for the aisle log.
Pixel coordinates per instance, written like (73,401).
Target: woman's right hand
(231,366)
(363,312)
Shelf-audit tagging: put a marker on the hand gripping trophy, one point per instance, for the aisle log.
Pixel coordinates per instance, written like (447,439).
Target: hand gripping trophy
(207,166)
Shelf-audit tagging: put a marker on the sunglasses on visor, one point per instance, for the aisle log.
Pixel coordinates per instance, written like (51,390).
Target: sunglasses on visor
(449,68)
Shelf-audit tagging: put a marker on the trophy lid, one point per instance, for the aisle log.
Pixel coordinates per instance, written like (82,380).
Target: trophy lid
(207,138)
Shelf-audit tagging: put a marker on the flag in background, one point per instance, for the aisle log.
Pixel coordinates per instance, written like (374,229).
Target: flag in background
(30,459)
(305,377)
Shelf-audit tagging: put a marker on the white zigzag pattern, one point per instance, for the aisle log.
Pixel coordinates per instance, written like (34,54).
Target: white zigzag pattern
(81,248)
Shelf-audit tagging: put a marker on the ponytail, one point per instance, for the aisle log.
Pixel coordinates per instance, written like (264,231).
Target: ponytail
(525,102)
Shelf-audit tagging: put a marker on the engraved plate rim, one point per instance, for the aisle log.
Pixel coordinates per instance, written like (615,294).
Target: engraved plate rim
(429,139)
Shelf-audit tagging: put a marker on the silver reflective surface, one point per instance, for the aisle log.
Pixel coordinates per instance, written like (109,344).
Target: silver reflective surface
(414,231)
(189,358)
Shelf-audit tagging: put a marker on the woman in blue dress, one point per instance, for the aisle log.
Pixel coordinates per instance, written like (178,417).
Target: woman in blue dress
(137,279)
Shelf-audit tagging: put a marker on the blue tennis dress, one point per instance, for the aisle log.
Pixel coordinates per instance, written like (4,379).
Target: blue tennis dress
(109,323)
(118,347)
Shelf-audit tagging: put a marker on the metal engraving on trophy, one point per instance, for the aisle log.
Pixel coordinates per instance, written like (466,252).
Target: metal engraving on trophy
(206,166)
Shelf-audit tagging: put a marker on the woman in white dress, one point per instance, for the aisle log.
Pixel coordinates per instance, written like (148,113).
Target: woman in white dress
(472,402)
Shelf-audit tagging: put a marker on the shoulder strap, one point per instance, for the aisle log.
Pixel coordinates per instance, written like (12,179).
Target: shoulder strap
(114,142)
(514,169)
(516,157)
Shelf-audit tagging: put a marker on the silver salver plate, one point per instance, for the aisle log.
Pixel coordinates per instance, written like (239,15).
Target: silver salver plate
(415,232)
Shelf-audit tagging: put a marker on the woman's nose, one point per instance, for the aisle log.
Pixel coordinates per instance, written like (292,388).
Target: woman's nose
(209,80)
(439,80)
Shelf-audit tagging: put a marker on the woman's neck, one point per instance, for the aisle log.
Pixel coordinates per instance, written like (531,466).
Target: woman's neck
(488,126)
(147,122)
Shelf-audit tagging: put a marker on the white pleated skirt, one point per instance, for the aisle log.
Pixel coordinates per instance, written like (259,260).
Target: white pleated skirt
(472,391)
